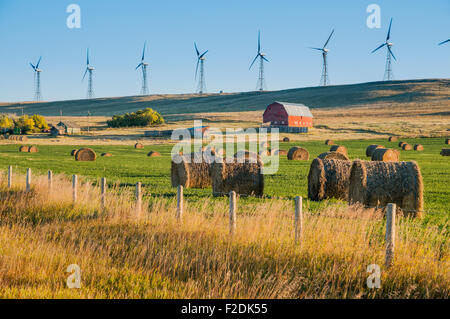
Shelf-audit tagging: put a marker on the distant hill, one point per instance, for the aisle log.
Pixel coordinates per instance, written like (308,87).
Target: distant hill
(354,95)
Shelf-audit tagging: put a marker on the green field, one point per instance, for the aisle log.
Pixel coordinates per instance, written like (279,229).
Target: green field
(129,165)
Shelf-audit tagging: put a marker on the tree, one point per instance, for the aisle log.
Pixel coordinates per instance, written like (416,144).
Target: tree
(6,123)
(40,122)
(145,117)
(25,123)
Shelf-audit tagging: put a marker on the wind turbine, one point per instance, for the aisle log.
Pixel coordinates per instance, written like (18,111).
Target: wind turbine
(444,42)
(261,84)
(324,80)
(89,69)
(143,65)
(388,74)
(201,87)
(37,80)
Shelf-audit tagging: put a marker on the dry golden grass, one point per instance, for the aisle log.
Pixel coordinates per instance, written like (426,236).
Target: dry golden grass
(122,255)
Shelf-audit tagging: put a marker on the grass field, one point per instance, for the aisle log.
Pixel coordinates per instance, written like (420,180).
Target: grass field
(129,165)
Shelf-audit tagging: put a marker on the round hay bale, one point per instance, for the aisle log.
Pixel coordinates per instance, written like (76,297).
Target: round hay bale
(85,155)
(385,155)
(22,138)
(329,142)
(447,141)
(298,153)
(281,152)
(406,147)
(23,149)
(107,155)
(138,146)
(396,152)
(33,149)
(73,152)
(339,148)
(153,154)
(418,147)
(247,156)
(333,155)
(328,178)
(445,152)
(371,148)
(376,184)
(400,144)
(244,178)
(2,137)
(11,137)
(392,139)
(286,139)
(191,170)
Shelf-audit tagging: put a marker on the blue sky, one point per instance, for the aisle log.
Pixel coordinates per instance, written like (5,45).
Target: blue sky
(115,31)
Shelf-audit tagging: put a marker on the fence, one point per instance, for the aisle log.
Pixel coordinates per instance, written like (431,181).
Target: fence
(390,227)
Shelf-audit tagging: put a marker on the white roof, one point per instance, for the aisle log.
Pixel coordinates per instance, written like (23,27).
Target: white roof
(294,109)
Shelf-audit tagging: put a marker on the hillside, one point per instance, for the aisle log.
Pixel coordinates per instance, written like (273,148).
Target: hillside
(377,94)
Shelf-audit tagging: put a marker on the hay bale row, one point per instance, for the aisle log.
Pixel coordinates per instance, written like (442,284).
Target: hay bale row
(328,178)
(392,139)
(20,138)
(298,153)
(190,171)
(406,147)
(339,148)
(243,178)
(28,149)
(329,142)
(379,183)
(85,155)
(385,155)
(371,148)
(418,147)
(333,155)
(445,152)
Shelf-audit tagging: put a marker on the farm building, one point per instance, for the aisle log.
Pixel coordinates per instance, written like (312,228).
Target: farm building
(69,127)
(57,130)
(288,117)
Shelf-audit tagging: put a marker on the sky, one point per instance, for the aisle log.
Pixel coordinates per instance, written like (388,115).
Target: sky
(115,32)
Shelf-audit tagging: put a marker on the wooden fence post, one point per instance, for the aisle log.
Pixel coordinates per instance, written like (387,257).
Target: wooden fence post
(298,218)
(390,234)
(28,180)
(103,191)
(74,187)
(138,198)
(180,202)
(50,180)
(10,172)
(232,212)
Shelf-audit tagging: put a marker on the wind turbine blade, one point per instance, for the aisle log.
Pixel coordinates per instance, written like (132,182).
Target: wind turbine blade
(34,68)
(143,52)
(328,39)
(320,49)
(253,61)
(84,74)
(196,69)
(390,51)
(264,58)
(444,42)
(259,41)
(378,47)
(203,54)
(39,61)
(87,57)
(196,50)
(389,31)
(138,66)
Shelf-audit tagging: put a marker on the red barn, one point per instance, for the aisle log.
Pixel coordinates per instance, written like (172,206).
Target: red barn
(288,117)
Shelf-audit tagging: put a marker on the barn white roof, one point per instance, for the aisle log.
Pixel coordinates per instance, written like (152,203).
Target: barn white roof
(294,109)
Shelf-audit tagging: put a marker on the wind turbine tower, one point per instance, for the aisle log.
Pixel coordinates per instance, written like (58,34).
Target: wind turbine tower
(388,73)
(201,87)
(143,65)
(89,69)
(261,83)
(37,80)
(325,80)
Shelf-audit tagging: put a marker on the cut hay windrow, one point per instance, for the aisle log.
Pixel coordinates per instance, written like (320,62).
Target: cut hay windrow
(33,149)
(418,147)
(85,155)
(339,148)
(153,154)
(445,152)
(244,178)
(406,147)
(385,155)
(107,155)
(191,170)
(328,178)
(371,148)
(329,142)
(333,155)
(23,149)
(138,146)
(392,139)
(376,184)
(298,153)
